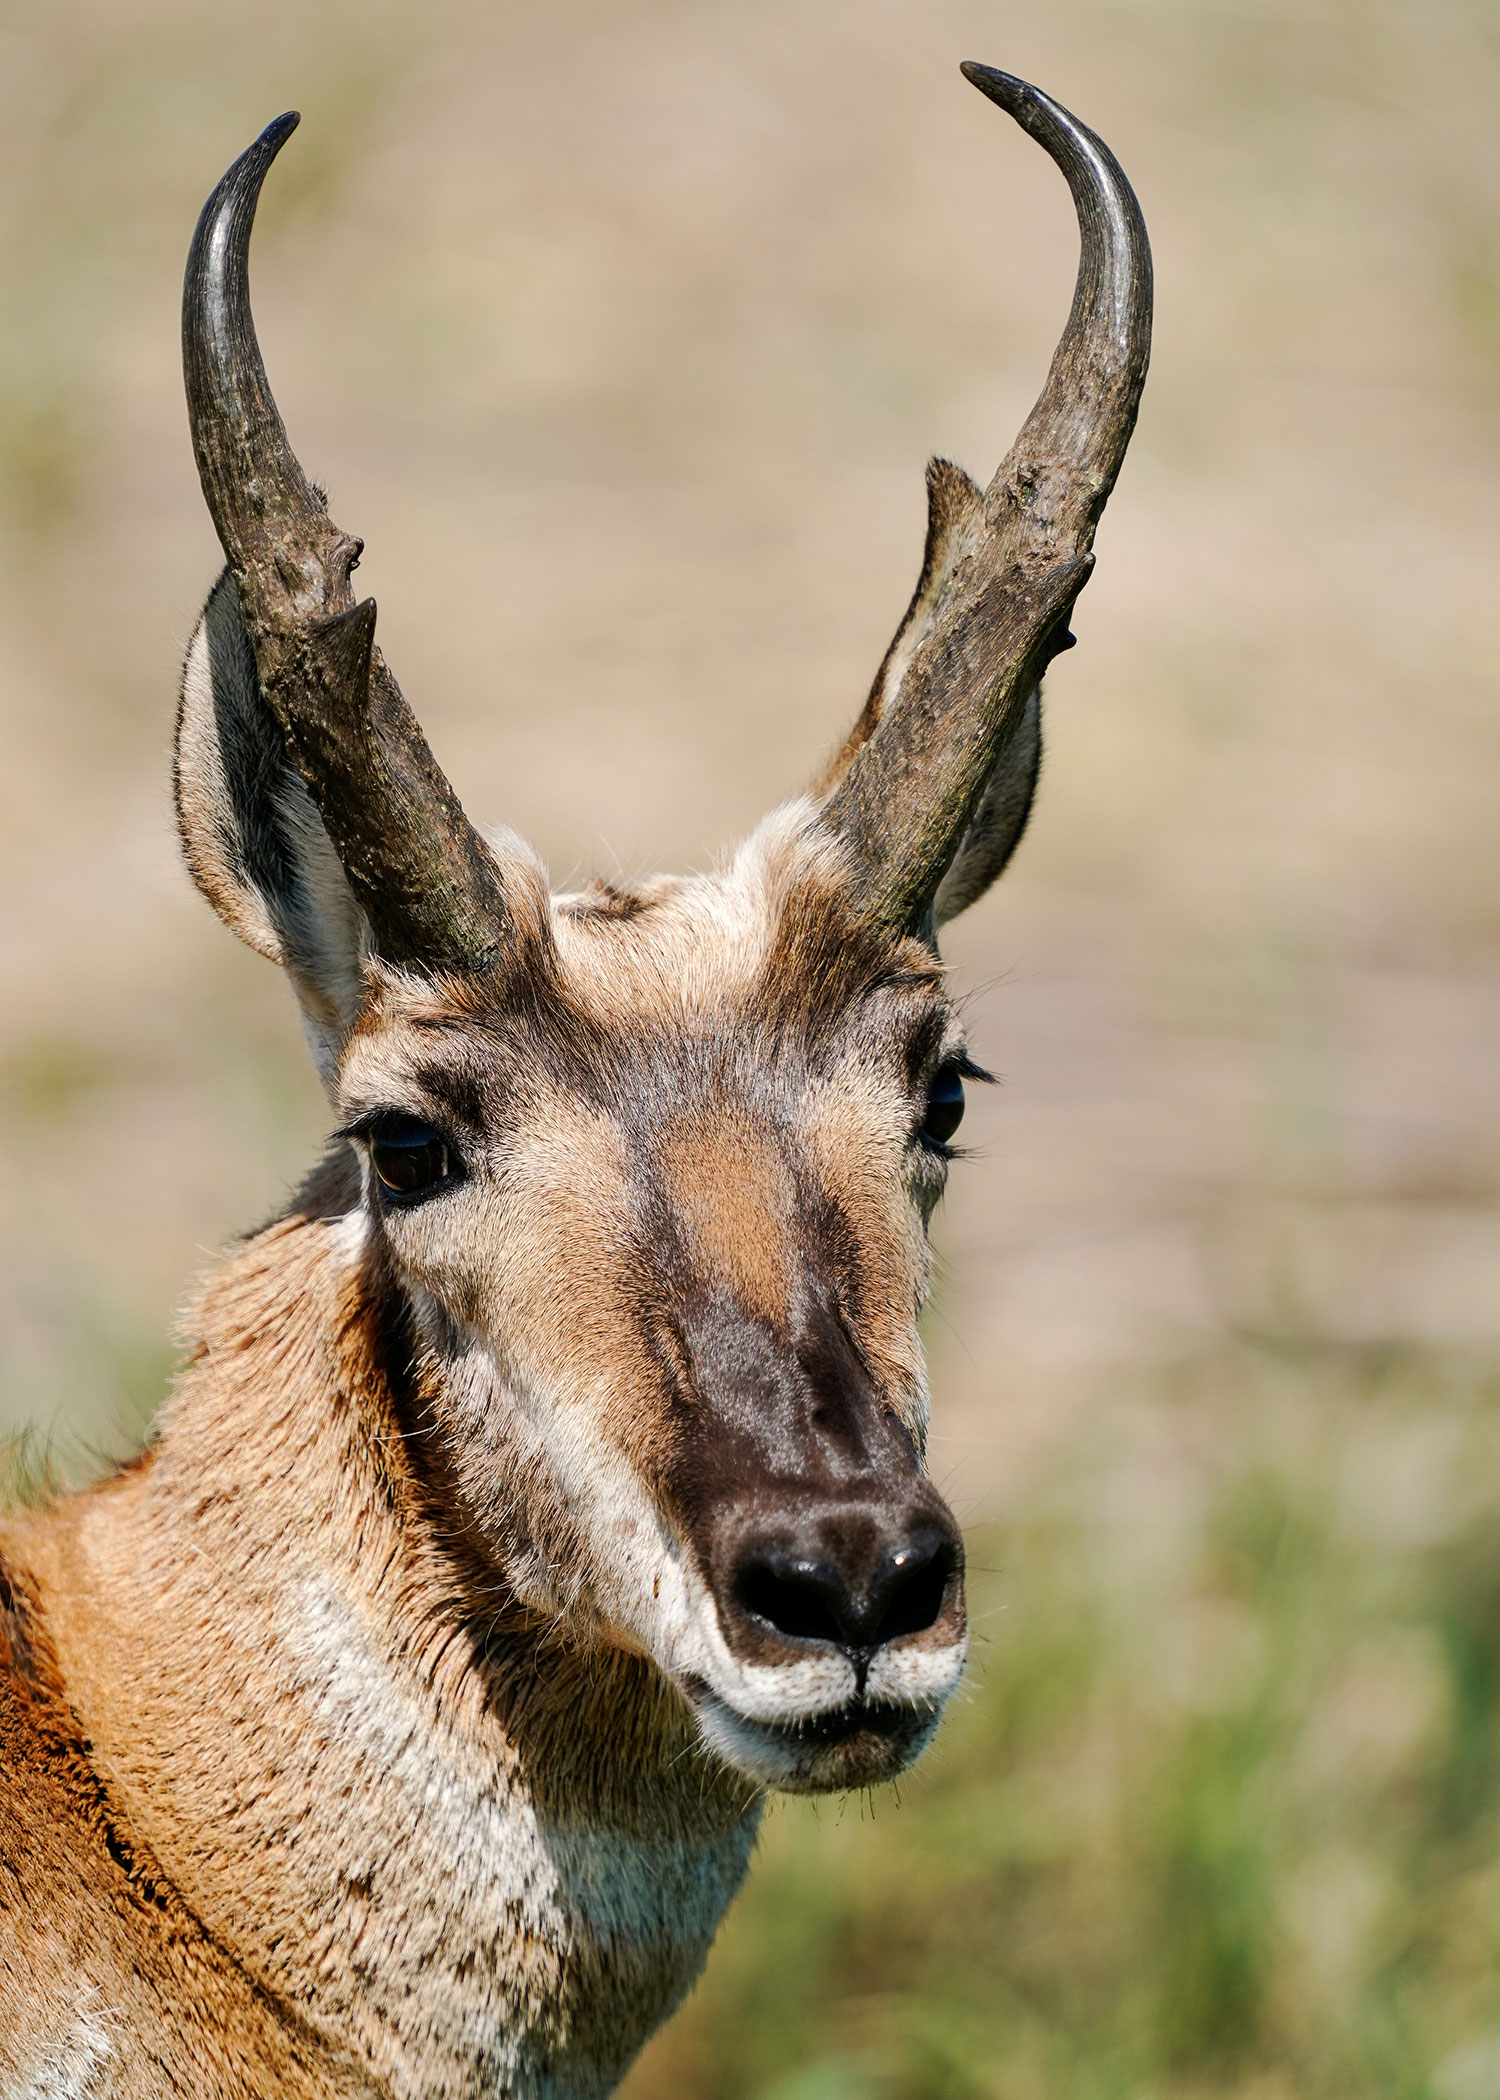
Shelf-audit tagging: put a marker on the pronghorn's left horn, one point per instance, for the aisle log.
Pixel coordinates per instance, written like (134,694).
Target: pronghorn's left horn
(930,790)
(424,878)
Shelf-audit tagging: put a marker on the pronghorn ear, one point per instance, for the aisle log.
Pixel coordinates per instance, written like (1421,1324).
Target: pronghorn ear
(996,826)
(255,844)
(956,528)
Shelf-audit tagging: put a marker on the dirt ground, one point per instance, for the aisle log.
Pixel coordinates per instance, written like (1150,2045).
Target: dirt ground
(622,333)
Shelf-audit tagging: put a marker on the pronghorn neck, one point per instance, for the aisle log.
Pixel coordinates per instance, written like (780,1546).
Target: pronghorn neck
(469,1856)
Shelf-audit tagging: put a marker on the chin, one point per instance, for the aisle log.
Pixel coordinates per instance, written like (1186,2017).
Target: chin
(841,1750)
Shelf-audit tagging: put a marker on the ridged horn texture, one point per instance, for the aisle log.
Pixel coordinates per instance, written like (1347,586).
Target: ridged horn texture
(1004,565)
(424,878)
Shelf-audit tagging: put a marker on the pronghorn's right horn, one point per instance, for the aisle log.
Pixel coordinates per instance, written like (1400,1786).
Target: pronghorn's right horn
(424,878)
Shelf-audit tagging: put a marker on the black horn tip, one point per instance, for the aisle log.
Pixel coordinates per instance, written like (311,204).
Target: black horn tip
(242,181)
(256,159)
(279,130)
(1032,110)
(254,164)
(1004,88)
(233,200)
(237,434)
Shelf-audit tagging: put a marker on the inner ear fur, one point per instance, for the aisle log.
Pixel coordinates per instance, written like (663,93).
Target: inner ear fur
(995,829)
(254,841)
(956,530)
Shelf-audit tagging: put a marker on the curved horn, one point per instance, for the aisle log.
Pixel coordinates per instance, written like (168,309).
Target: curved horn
(422,875)
(1003,566)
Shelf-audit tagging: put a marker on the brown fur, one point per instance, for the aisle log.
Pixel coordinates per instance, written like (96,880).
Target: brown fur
(167,1763)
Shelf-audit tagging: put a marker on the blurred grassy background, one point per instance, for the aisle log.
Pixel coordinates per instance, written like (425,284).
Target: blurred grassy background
(622,333)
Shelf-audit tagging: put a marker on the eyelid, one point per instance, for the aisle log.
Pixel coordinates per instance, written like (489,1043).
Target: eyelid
(368,1122)
(360,1126)
(958,1061)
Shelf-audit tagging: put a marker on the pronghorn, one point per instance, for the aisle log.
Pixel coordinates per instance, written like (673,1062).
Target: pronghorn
(547,1483)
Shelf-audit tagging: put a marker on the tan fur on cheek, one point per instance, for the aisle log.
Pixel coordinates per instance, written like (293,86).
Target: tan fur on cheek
(531,1252)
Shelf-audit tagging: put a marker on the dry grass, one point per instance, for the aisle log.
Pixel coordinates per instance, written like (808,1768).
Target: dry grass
(622,333)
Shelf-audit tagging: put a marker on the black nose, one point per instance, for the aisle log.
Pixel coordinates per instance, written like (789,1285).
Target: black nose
(857,1602)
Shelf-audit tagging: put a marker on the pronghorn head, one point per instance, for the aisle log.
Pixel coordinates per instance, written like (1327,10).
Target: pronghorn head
(647,1174)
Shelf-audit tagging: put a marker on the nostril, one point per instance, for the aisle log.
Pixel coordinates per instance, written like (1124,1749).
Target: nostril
(914,1592)
(798,1600)
(813,1599)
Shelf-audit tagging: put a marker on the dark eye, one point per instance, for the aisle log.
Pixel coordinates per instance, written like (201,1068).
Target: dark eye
(945,1107)
(409,1157)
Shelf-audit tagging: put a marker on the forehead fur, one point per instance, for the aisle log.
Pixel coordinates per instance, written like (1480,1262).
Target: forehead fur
(769,950)
(778,924)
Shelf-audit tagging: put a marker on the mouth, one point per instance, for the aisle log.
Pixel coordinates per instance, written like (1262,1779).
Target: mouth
(856,1745)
